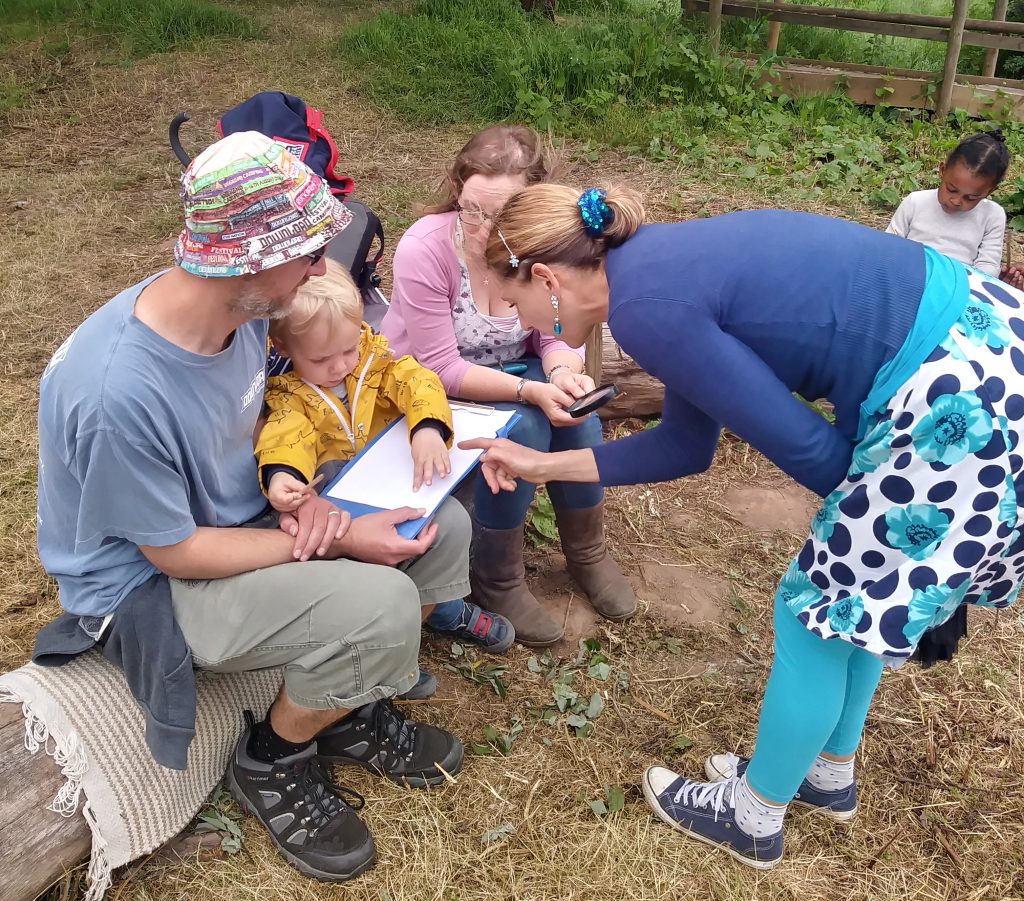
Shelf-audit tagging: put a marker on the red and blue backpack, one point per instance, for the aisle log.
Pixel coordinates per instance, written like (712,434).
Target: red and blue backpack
(294,123)
(299,127)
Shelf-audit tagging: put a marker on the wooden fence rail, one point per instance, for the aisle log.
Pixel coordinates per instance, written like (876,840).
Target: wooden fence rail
(955,31)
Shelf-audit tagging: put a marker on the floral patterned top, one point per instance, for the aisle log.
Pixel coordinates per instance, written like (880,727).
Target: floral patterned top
(485,340)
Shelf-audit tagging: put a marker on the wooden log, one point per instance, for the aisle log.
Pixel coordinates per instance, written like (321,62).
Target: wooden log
(988,67)
(594,349)
(956,37)
(891,71)
(640,394)
(989,97)
(37,846)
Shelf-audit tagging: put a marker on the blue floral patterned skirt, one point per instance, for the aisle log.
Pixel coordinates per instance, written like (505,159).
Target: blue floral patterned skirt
(928,517)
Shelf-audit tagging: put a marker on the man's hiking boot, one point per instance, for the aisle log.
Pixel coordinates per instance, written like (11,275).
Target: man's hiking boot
(311,820)
(379,738)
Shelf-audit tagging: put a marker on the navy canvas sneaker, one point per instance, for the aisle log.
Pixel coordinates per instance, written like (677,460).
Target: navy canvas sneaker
(840,805)
(707,812)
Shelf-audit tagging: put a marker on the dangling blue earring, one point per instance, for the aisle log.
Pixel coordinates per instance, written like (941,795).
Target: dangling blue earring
(554,306)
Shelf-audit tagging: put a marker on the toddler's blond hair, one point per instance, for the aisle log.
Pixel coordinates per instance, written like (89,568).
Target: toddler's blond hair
(324,301)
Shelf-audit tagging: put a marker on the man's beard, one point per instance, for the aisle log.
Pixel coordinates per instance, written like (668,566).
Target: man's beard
(254,304)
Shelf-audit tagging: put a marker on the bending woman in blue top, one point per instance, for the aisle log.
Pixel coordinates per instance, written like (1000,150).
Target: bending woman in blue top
(921,474)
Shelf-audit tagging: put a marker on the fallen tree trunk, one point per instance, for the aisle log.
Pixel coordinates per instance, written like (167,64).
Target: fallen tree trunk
(640,394)
(37,846)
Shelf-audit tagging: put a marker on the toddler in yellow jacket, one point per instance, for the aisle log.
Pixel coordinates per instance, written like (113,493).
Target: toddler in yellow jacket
(346,387)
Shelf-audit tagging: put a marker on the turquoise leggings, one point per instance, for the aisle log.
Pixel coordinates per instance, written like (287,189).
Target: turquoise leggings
(817,699)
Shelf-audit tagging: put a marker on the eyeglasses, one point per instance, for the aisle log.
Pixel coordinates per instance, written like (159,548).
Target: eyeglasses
(317,255)
(473,217)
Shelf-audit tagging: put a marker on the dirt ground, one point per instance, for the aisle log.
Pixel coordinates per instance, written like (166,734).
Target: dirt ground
(88,205)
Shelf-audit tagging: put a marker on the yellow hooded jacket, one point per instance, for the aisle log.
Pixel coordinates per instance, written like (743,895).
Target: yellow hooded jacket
(304,431)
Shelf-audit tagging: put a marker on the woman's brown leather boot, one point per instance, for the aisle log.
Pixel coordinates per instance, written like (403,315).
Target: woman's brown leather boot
(498,580)
(582,534)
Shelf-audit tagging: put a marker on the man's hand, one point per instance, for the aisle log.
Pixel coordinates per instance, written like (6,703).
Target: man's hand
(373,538)
(429,455)
(317,527)
(286,493)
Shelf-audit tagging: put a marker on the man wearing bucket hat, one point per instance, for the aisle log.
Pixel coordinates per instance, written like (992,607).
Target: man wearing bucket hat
(147,477)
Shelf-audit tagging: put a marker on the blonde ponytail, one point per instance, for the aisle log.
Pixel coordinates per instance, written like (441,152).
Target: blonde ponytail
(545,223)
(627,215)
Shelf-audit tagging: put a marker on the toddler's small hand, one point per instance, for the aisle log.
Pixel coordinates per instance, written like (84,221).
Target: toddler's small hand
(429,455)
(286,493)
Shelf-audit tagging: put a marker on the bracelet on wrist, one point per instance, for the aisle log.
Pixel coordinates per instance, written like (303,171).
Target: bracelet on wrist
(555,369)
(519,391)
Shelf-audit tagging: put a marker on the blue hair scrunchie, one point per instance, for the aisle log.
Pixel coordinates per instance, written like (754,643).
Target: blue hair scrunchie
(595,212)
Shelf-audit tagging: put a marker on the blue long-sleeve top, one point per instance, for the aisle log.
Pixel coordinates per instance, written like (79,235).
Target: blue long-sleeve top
(736,313)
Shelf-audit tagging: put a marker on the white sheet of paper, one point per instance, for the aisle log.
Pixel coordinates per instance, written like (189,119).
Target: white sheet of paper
(382,476)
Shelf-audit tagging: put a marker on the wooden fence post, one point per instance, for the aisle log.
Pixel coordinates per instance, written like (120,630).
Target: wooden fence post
(988,67)
(715,25)
(774,27)
(955,39)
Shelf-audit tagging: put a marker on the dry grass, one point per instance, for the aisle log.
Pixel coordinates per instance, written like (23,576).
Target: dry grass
(941,765)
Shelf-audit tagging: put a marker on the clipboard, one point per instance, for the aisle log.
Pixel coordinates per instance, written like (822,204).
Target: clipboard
(379,477)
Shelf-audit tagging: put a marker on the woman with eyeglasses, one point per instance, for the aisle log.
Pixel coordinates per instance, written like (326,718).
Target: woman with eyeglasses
(447,311)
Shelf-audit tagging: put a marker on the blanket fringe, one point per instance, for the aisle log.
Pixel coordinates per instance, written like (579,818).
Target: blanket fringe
(69,754)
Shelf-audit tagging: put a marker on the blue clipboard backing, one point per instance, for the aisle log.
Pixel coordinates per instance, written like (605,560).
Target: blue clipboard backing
(411,528)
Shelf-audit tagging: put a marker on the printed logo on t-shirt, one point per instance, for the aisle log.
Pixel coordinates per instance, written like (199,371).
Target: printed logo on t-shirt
(255,388)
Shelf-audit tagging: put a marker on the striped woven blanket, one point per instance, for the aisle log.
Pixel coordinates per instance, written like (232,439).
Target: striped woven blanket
(83,715)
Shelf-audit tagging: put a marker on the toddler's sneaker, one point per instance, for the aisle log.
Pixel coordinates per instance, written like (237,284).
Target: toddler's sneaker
(840,805)
(470,623)
(424,688)
(707,812)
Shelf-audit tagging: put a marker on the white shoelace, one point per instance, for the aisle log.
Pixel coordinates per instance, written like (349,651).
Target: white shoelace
(709,794)
(732,761)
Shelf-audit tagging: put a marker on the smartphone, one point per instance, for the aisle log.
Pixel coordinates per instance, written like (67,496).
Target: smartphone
(592,401)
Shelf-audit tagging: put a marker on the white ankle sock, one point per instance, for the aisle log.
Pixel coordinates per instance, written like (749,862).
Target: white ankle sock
(756,817)
(831,775)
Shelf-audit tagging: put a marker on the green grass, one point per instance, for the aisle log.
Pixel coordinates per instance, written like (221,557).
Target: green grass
(636,75)
(138,27)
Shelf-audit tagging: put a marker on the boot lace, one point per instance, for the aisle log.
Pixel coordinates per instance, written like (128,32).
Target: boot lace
(389,723)
(322,797)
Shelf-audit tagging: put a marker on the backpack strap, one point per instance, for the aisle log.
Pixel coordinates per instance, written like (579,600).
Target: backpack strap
(343,185)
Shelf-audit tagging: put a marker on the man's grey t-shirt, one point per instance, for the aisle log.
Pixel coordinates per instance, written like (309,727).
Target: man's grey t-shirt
(140,442)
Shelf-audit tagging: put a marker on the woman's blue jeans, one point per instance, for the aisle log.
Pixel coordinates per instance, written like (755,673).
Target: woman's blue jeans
(507,509)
